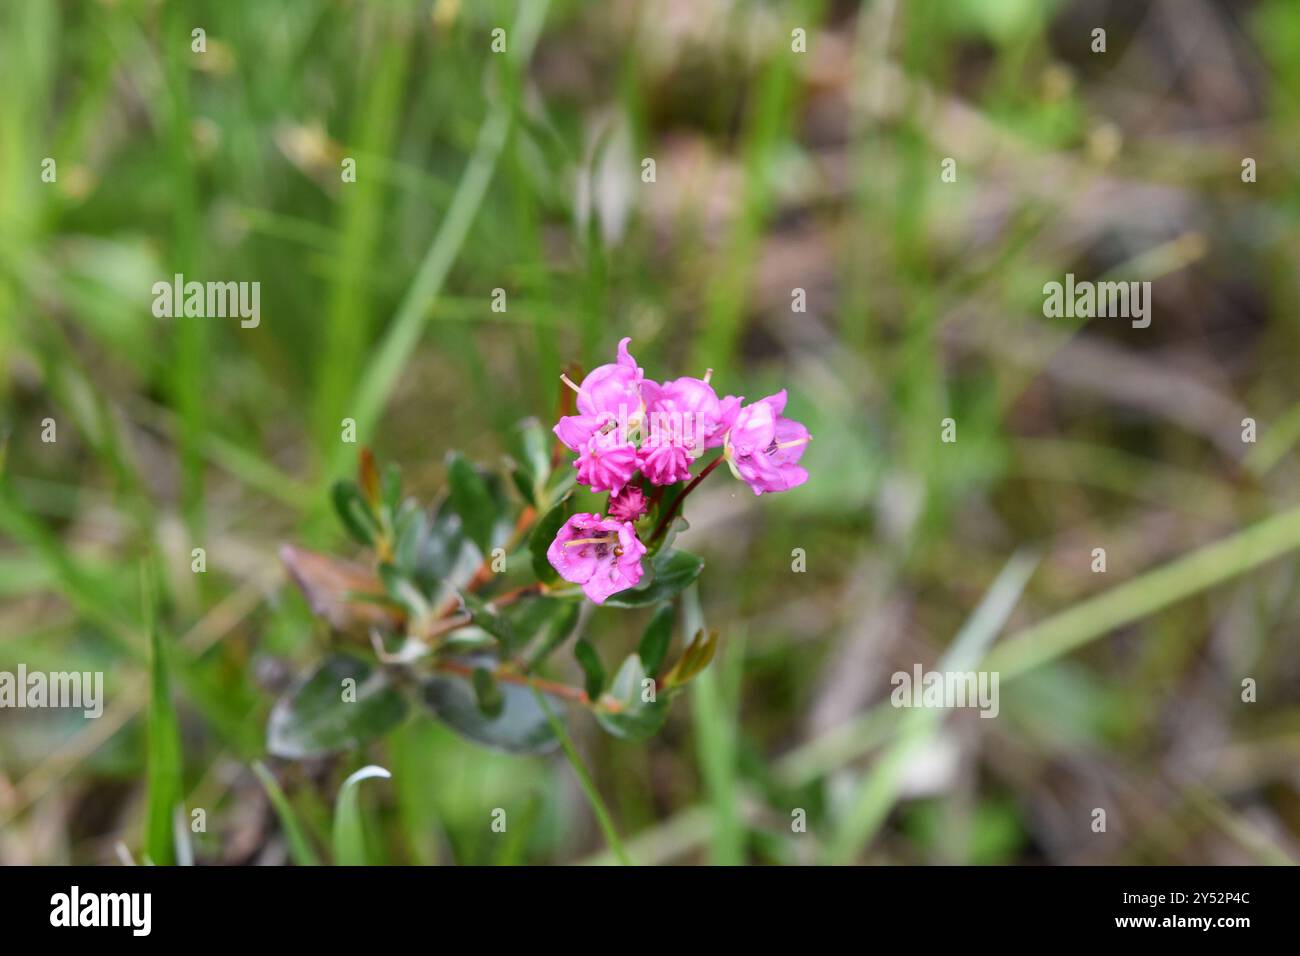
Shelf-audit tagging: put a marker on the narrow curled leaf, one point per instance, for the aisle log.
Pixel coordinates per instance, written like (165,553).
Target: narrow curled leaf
(697,656)
(593,671)
(654,642)
(353,510)
(164,765)
(349,827)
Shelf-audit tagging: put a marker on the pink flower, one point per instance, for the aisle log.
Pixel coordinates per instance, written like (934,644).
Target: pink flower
(609,400)
(665,464)
(610,395)
(603,555)
(604,466)
(690,411)
(763,448)
(682,419)
(628,504)
(609,387)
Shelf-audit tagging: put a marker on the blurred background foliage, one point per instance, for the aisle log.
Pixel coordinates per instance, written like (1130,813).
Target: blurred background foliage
(775,170)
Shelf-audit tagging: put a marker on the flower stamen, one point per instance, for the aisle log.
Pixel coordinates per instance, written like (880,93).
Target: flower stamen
(597,540)
(793,443)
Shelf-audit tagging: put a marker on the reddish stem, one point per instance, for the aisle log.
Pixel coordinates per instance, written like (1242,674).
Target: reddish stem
(575,694)
(677,505)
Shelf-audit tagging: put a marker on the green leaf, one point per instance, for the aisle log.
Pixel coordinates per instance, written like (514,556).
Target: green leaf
(638,719)
(488,693)
(164,760)
(392,487)
(626,688)
(553,631)
(354,512)
(472,498)
(349,828)
(592,669)
(533,469)
(404,591)
(523,483)
(534,440)
(313,718)
(543,534)
(411,531)
(697,656)
(447,558)
(670,573)
(654,642)
(521,726)
(300,848)
(496,624)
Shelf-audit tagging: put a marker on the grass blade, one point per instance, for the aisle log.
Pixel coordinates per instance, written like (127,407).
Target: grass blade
(164,755)
(300,848)
(879,789)
(713,715)
(1146,594)
(394,350)
(349,828)
(584,780)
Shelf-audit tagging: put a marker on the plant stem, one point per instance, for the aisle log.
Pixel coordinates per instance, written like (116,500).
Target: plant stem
(518,594)
(588,787)
(574,694)
(677,505)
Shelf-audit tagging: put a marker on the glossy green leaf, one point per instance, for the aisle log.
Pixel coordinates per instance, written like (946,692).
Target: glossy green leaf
(639,718)
(314,718)
(354,512)
(447,558)
(520,727)
(543,534)
(653,647)
(532,471)
(472,498)
(593,671)
(552,631)
(670,572)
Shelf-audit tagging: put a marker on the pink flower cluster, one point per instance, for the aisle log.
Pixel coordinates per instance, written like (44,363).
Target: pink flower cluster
(627,424)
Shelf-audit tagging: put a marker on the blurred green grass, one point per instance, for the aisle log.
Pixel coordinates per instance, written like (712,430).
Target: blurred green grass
(774,171)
